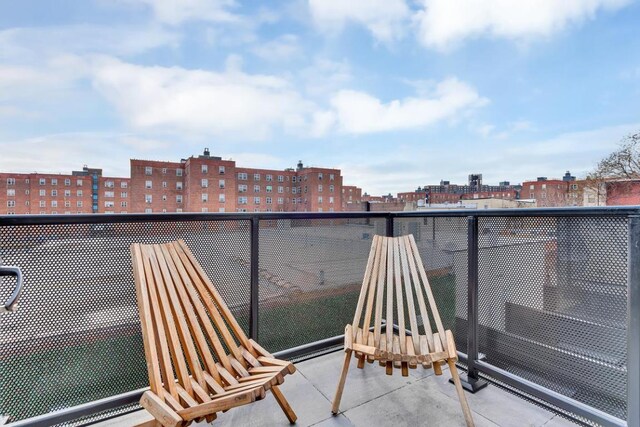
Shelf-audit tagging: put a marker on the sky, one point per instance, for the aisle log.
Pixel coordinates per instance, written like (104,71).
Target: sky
(396,93)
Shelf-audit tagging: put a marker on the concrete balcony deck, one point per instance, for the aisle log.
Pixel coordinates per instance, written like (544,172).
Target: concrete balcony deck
(373,399)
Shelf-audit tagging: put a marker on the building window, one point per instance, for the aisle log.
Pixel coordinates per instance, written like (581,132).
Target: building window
(319,175)
(330,199)
(179,185)
(11,192)
(269,178)
(148,170)
(319,188)
(256,188)
(109,184)
(43,181)
(164,184)
(242,200)
(574,186)
(221,170)
(531,187)
(79,193)
(123,204)
(294,178)
(242,176)
(205,169)
(205,197)
(204,183)
(543,195)
(269,189)
(256,200)
(179,198)
(43,193)
(109,204)
(164,197)
(331,188)
(220,209)
(124,195)
(43,203)
(148,184)
(11,203)
(280,189)
(123,184)
(148,198)
(178,172)
(242,188)
(319,199)
(280,200)
(79,203)
(204,210)
(11,181)
(67,193)
(221,183)
(280,178)
(148,210)
(256,177)
(109,194)
(268,200)
(67,204)
(221,198)
(54,181)
(331,177)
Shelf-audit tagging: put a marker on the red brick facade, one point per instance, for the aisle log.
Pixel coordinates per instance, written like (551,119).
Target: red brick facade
(198,184)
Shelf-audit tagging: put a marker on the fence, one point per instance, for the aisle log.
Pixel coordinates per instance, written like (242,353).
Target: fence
(544,301)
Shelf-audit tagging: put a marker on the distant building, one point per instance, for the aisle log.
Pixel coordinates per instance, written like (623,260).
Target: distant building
(203,183)
(554,192)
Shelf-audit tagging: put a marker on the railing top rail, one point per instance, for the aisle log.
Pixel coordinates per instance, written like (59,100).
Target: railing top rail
(8,220)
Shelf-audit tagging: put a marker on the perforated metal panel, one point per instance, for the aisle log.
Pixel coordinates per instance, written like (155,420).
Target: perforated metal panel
(76,336)
(311,273)
(552,304)
(442,243)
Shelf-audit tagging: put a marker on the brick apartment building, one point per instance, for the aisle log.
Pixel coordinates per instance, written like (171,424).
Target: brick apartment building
(201,183)
(554,192)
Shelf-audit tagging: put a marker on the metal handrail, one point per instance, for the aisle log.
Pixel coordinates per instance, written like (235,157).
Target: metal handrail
(12,303)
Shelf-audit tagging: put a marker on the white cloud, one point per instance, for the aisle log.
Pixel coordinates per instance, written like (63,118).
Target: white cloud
(443,23)
(278,49)
(30,45)
(358,112)
(232,103)
(325,76)
(385,19)
(176,12)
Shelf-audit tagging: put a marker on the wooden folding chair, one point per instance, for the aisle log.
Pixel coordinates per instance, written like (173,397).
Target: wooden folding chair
(199,359)
(393,278)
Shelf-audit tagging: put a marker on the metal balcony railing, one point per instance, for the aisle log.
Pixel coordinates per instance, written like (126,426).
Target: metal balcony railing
(544,301)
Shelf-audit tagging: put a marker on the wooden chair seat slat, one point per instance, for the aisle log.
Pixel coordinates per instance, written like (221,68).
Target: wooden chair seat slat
(395,277)
(199,359)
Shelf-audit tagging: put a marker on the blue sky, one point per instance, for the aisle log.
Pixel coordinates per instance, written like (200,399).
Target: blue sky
(396,93)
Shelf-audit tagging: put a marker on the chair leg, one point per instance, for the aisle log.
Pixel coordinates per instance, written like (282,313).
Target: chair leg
(343,378)
(463,400)
(284,405)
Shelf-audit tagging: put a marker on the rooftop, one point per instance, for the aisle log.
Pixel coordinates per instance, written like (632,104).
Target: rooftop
(371,398)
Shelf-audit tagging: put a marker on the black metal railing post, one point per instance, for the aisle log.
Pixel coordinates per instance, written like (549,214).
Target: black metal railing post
(472,382)
(390,229)
(255,278)
(633,323)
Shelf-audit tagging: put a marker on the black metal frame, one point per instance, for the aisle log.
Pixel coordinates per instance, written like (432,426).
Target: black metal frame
(475,366)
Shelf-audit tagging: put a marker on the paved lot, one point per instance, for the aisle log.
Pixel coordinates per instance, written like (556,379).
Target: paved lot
(373,399)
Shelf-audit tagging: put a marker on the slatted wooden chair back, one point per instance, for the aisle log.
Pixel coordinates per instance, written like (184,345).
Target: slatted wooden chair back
(395,278)
(194,347)
(396,288)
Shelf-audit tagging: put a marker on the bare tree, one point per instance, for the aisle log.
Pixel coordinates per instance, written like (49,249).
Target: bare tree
(622,167)
(624,163)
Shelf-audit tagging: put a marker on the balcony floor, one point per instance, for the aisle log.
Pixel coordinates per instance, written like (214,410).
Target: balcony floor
(372,399)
